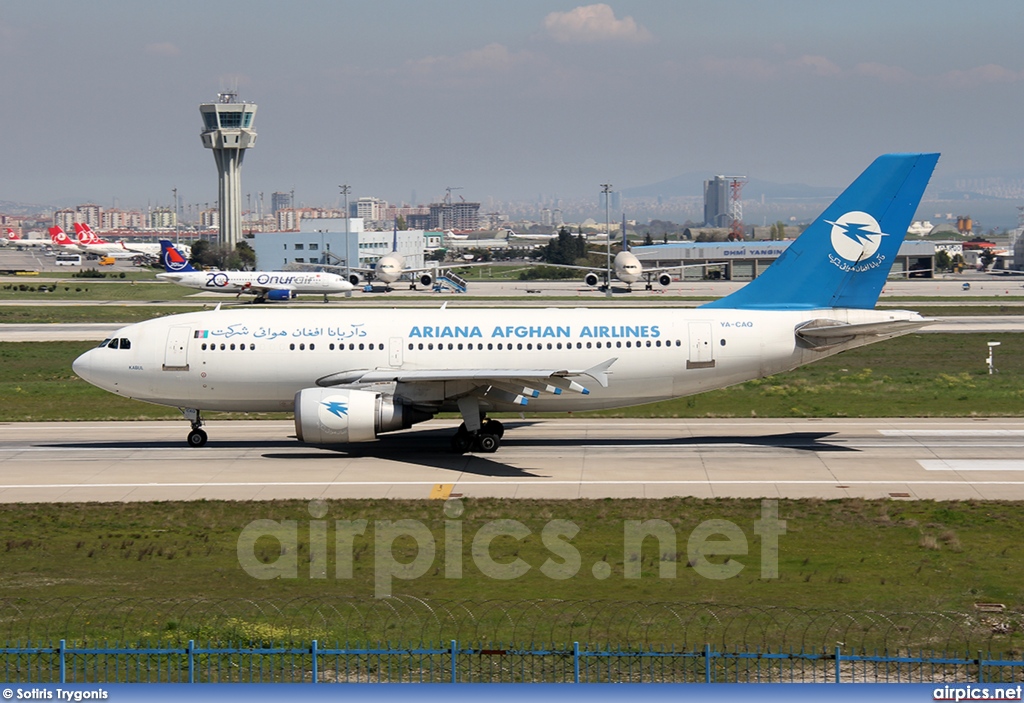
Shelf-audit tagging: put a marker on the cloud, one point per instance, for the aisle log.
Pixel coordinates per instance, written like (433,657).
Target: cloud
(165,48)
(593,23)
(883,72)
(492,58)
(989,73)
(818,65)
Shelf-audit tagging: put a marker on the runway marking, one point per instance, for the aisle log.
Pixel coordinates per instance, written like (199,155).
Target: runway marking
(252,484)
(441,491)
(952,433)
(971,464)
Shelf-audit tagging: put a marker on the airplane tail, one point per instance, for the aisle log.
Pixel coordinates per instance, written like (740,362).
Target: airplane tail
(59,237)
(625,239)
(394,238)
(174,261)
(842,260)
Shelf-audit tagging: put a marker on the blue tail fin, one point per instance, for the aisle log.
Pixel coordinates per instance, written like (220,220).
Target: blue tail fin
(174,261)
(844,257)
(394,237)
(625,240)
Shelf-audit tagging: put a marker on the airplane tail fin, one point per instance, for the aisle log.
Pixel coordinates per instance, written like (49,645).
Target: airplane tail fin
(394,237)
(174,261)
(842,260)
(625,240)
(59,237)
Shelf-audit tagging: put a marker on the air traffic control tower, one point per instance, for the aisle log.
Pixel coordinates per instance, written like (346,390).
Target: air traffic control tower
(227,129)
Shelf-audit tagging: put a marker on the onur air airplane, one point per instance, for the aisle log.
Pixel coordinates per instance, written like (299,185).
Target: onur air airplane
(351,374)
(265,285)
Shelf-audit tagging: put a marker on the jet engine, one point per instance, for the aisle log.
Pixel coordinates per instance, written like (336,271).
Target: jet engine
(426,279)
(664,279)
(591,279)
(353,279)
(280,295)
(340,416)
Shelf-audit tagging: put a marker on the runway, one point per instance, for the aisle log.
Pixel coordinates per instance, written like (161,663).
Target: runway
(954,459)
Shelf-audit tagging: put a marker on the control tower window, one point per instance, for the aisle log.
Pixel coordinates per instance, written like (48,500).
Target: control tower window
(230,120)
(247,120)
(210,120)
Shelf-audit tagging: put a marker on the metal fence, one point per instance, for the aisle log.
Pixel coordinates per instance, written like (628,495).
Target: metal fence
(457,663)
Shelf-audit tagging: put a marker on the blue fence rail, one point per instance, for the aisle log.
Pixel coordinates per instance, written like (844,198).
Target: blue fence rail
(455,663)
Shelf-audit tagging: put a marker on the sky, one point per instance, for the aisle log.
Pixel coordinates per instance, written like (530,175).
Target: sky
(524,99)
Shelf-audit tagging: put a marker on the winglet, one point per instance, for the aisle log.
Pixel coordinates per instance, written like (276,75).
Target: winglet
(600,372)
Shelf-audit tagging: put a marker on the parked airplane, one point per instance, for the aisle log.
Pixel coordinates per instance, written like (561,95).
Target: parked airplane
(90,243)
(14,238)
(62,242)
(350,375)
(265,285)
(88,237)
(390,268)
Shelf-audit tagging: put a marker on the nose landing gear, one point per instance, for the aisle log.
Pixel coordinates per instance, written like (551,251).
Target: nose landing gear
(197,437)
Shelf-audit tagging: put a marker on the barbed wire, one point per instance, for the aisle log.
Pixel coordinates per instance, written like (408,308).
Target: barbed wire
(407,619)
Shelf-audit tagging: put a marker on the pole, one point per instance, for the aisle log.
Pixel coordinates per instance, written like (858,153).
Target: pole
(606,188)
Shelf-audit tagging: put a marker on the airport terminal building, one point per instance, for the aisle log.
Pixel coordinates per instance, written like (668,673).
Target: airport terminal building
(745,261)
(325,241)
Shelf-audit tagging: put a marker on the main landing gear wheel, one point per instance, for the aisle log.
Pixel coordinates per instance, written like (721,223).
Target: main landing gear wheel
(493,427)
(197,438)
(462,441)
(488,443)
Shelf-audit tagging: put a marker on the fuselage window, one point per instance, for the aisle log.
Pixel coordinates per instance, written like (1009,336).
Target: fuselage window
(679,343)
(302,347)
(232,346)
(450,346)
(519,346)
(588,345)
(204,346)
(420,345)
(292,346)
(579,345)
(629,344)
(529,345)
(658,343)
(223,347)
(252,347)
(722,342)
(312,347)
(332,346)
(360,346)
(648,342)
(559,345)
(460,346)
(410,346)
(351,346)
(490,346)
(618,345)
(430,346)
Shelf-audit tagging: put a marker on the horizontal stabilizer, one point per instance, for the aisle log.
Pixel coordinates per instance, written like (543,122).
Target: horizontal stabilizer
(824,332)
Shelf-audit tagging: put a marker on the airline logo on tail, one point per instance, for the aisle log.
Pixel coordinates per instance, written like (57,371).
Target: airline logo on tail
(856,236)
(174,261)
(60,238)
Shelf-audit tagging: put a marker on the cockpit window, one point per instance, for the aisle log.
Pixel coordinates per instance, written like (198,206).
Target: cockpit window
(104,343)
(125,344)
(114,344)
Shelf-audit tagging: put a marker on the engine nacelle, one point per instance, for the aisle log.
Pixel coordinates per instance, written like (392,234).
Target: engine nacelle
(340,416)
(353,279)
(279,295)
(426,279)
(664,279)
(591,279)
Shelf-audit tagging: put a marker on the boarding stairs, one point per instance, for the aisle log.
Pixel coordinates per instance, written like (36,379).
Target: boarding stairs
(448,280)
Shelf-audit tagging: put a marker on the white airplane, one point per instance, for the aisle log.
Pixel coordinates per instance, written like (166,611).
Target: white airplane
(627,268)
(12,237)
(390,267)
(265,285)
(121,249)
(352,374)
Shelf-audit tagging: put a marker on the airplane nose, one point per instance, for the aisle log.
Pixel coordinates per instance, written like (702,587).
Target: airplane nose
(82,365)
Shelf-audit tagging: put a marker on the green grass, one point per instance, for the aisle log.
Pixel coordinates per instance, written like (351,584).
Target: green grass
(851,555)
(911,376)
(133,289)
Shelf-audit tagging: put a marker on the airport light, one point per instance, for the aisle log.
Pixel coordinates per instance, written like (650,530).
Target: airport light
(991,361)
(606,188)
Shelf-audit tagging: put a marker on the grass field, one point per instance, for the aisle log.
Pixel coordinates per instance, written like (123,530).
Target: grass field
(852,555)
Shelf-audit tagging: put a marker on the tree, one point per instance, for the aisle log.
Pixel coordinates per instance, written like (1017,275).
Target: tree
(777,231)
(943,261)
(246,256)
(401,223)
(648,241)
(564,249)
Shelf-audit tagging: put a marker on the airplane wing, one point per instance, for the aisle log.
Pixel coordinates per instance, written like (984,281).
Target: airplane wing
(510,385)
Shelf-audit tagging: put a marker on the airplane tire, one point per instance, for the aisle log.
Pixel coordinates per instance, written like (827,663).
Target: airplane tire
(197,438)
(488,443)
(494,427)
(461,442)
